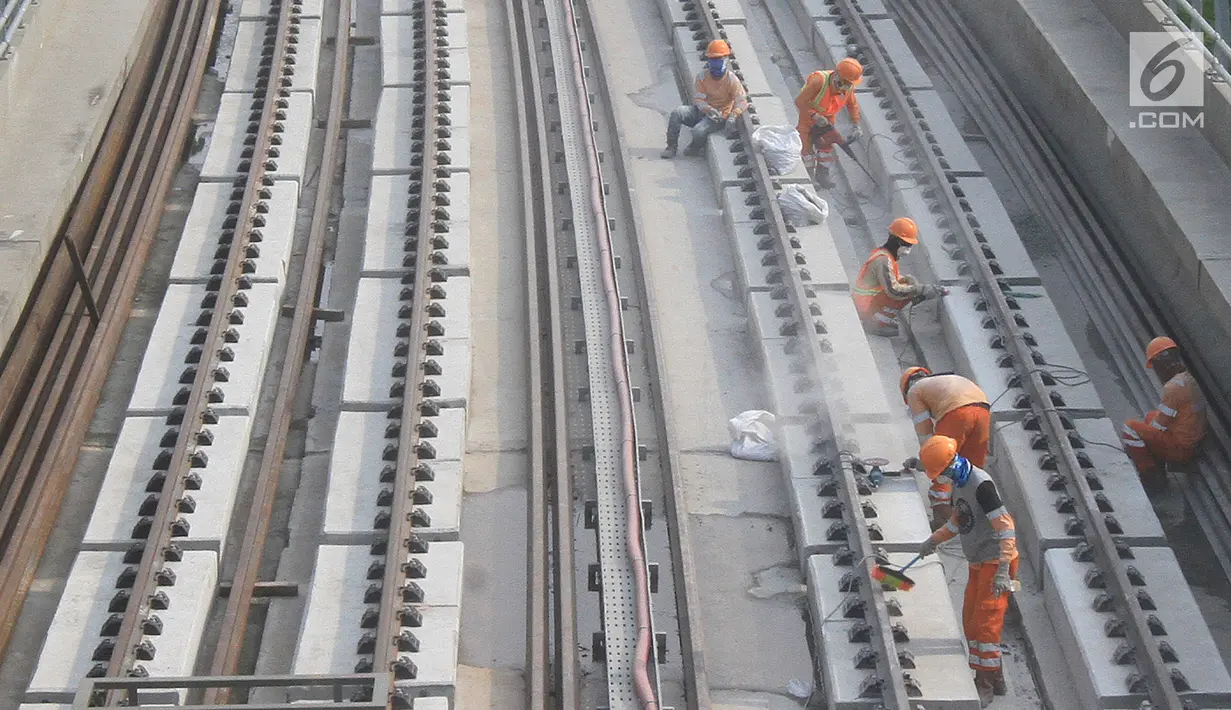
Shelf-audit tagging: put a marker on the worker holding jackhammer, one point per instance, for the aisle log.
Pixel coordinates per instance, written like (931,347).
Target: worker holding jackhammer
(718,100)
(881,291)
(989,542)
(947,405)
(824,94)
(1172,432)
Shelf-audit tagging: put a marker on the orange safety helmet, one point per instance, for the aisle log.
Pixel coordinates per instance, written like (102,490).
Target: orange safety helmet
(851,70)
(904,228)
(718,48)
(1157,347)
(911,372)
(936,455)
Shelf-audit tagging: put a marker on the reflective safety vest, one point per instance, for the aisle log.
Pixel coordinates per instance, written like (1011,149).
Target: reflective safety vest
(866,284)
(828,103)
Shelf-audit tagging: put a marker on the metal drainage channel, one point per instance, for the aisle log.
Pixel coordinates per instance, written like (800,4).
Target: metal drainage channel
(1105,550)
(425,290)
(628,635)
(192,414)
(1038,174)
(894,685)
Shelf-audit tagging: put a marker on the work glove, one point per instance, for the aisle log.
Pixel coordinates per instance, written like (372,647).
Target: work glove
(855,135)
(1001,584)
(911,463)
(927,548)
(714,115)
(820,121)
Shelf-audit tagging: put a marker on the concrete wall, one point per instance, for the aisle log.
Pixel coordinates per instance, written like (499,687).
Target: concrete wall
(1138,16)
(1165,191)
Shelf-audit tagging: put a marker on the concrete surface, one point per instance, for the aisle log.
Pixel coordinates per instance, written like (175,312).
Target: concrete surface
(58,97)
(237,111)
(252,44)
(1167,199)
(71,643)
(201,251)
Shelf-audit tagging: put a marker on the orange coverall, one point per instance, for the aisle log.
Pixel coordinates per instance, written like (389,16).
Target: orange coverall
(961,412)
(989,538)
(820,96)
(881,291)
(1170,433)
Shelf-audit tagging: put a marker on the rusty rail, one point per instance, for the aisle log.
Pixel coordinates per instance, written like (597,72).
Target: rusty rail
(55,365)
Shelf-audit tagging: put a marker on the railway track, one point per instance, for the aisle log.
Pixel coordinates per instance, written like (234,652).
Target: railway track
(55,364)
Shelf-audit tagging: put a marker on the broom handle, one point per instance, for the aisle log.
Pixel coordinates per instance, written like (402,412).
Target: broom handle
(908,564)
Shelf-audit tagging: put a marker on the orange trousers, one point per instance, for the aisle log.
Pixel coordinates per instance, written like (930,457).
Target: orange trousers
(983,615)
(1150,448)
(818,152)
(971,428)
(879,310)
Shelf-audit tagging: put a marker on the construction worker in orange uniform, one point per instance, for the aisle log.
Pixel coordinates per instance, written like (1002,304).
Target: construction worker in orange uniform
(1171,433)
(989,542)
(881,291)
(823,95)
(717,102)
(953,406)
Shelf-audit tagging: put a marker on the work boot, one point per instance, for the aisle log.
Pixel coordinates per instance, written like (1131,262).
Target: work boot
(820,176)
(998,685)
(985,688)
(668,152)
(695,147)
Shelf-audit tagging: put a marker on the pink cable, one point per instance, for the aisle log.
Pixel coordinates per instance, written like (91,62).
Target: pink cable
(641,676)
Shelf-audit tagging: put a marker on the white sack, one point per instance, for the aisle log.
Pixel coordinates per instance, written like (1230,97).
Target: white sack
(780,145)
(801,205)
(752,435)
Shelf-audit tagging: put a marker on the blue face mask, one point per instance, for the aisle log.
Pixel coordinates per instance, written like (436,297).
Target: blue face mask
(718,67)
(957,473)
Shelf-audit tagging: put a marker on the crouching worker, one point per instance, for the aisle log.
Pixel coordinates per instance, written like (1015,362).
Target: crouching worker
(881,291)
(823,95)
(953,406)
(717,102)
(1171,433)
(989,542)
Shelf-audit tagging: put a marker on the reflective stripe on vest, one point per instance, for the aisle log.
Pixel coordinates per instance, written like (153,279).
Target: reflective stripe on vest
(837,101)
(861,288)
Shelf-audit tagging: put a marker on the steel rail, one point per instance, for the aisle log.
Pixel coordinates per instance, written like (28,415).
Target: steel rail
(645,687)
(815,358)
(256,531)
(1161,690)
(1126,316)
(77,356)
(552,617)
(194,412)
(400,526)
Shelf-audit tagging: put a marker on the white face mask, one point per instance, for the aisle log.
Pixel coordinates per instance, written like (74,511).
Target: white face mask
(944,479)
(903,251)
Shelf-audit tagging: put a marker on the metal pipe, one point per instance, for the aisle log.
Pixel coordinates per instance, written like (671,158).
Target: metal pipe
(619,361)
(1219,43)
(10,21)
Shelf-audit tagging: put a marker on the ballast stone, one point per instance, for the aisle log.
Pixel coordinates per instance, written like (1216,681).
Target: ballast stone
(1100,681)
(118,505)
(356,466)
(74,634)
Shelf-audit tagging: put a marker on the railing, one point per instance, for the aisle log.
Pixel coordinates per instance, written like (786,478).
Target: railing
(10,21)
(1218,58)
(368,685)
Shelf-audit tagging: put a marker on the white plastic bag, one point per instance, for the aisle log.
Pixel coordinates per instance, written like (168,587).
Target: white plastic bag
(780,145)
(801,205)
(752,435)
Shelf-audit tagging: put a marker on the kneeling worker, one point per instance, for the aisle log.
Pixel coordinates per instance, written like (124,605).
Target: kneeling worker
(1171,433)
(989,542)
(881,291)
(718,100)
(824,94)
(953,406)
